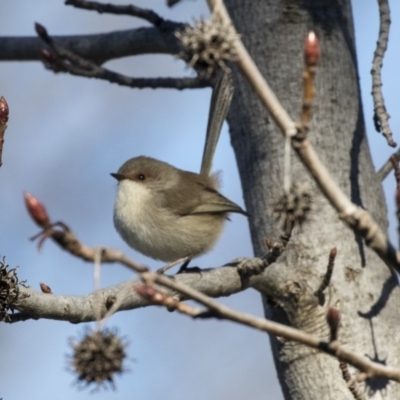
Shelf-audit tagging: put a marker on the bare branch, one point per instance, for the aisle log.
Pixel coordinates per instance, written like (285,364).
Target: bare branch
(70,243)
(99,47)
(3,125)
(171,3)
(370,368)
(63,60)
(311,58)
(384,171)
(218,282)
(333,319)
(328,275)
(67,240)
(395,163)
(159,298)
(191,286)
(381,117)
(134,11)
(356,218)
(352,383)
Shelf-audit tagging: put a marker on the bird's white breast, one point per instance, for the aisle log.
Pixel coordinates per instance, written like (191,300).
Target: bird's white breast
(132,214)
(156,231)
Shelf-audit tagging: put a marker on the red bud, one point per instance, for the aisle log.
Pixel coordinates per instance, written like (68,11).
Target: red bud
(333,317)
(312,50)
(45,288)
(36,210)
(3,110)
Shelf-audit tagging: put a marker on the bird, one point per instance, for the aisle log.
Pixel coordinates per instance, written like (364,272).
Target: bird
(167,213)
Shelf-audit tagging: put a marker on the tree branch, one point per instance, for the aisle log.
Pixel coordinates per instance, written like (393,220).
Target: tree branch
(208,283)
(59,59)
(359,220)
(3,125)
(334,348)
(100,47)
(381,116)
(218,282)
(134,11)
(386,168)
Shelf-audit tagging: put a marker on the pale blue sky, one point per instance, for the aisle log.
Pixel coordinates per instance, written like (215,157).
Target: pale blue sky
(65,135)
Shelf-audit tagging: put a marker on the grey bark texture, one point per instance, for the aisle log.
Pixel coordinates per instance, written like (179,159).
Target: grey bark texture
(362,287)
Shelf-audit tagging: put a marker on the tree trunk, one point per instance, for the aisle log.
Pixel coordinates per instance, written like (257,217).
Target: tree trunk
(362,287)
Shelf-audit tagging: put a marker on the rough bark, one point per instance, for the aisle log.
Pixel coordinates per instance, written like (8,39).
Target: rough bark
(362,287)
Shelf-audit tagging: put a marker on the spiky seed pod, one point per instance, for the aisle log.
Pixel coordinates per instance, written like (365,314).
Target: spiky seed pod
(294,207)
(208,45)
(9,291)
(98,357)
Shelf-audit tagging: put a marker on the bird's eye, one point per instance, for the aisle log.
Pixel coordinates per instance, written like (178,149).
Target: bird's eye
(141,177)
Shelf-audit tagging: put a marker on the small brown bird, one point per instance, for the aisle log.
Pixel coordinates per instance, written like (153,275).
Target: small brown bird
(167,213)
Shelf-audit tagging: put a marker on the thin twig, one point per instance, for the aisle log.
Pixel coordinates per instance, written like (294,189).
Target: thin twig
(96,286)
(311,58)
(287,172)
(333,319)
(63,60)
(395,163)
(359,220)
(157,297)
(372,369)
(70,243)
(70,309)
(328,274)
(352,383)
(64,237)
(381,116)
(253,75)
(384,171)
(3,125)
(134,11)
(171,3)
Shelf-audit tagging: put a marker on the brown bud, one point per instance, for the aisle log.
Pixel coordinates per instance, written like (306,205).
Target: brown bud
(45,288)
(111,299)
(312,50)
(3,110)
(42,32)
(333,317)
(36,210)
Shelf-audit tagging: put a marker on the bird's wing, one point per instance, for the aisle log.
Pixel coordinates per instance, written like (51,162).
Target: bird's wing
(198,196)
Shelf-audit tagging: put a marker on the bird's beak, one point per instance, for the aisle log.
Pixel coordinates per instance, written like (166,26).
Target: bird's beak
(117,176)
